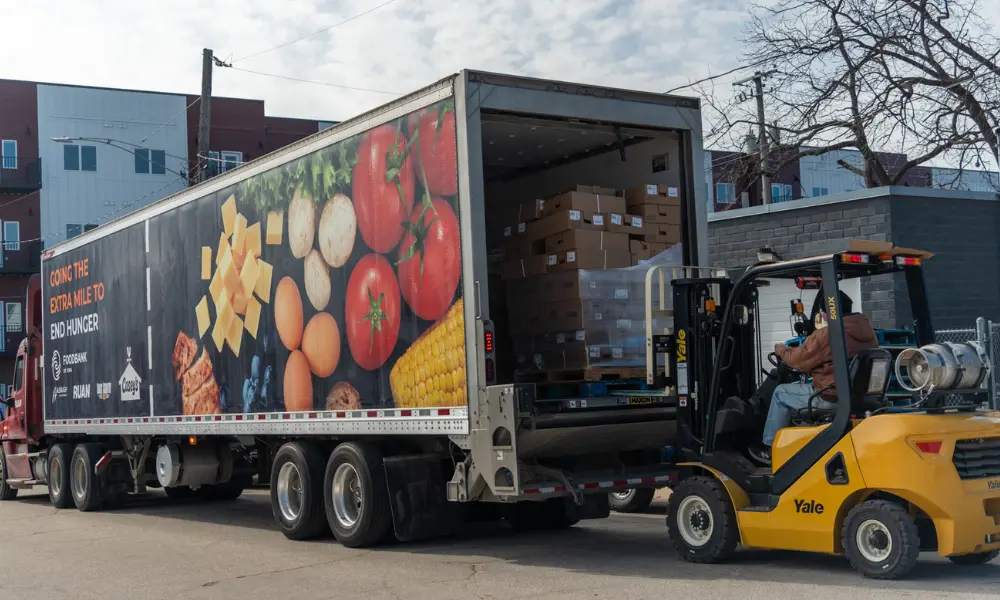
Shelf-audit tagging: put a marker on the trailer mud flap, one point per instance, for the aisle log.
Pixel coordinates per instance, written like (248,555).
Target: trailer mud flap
(418,496)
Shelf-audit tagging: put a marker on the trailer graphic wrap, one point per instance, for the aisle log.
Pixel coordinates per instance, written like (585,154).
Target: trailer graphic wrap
(331,282)
(95,329)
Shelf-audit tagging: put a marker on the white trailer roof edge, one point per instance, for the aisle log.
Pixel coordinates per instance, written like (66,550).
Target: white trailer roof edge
(359,124)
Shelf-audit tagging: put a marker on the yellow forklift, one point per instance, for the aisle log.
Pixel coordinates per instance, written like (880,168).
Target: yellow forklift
(875,482)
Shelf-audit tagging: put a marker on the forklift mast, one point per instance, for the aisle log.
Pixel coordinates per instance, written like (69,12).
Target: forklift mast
(699,305)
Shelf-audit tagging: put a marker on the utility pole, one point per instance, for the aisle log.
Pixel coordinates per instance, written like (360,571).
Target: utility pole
(763,145)
(204,114)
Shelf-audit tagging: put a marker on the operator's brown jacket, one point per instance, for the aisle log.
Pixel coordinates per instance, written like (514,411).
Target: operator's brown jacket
(815,357)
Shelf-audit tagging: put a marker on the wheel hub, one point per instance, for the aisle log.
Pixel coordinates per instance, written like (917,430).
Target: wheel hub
(874,541)
(348,496)
(289,487)
(694,521)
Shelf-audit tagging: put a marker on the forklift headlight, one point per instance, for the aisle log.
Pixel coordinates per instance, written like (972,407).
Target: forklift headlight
(880,373)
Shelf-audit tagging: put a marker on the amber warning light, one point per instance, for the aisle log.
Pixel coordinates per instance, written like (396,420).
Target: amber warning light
(908,261)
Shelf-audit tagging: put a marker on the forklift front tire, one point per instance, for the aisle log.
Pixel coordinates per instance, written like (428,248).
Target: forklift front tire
(979,558)
(701,521)
(881,540)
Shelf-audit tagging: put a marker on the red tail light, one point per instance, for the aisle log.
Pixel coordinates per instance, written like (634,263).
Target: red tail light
(855,259)
(491,371)
(488,341)
(908,261)
(929,447)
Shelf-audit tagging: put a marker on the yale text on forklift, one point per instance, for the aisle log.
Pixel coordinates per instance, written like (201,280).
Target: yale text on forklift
(808,507)
(994,484)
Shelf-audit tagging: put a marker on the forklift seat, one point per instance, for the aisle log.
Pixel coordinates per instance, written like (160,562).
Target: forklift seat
(869,376)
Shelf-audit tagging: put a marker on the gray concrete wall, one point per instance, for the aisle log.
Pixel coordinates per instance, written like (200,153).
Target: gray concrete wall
(962,229)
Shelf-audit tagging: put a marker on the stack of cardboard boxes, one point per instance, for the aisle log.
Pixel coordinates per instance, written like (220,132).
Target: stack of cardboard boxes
(572,302)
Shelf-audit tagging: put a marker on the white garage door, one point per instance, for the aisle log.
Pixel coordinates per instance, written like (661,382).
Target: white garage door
(776,312)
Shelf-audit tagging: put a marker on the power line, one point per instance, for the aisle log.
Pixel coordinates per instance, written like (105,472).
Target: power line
(318,31)
(333,85)
(157,130)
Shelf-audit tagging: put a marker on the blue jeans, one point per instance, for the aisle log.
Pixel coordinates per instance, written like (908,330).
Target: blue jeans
(788,399)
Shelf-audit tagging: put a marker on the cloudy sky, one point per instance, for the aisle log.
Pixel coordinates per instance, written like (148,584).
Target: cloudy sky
(643,44)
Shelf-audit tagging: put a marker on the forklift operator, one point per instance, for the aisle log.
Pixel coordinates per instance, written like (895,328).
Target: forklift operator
(814,357)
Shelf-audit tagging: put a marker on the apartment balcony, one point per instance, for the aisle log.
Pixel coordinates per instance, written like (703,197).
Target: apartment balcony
(20,174)
(20,258)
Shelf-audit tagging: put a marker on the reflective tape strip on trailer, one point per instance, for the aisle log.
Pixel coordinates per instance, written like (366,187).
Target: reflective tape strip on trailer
(606,484)
(428,421)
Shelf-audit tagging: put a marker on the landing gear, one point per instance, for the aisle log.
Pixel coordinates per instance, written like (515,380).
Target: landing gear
(701,521)
(881,540)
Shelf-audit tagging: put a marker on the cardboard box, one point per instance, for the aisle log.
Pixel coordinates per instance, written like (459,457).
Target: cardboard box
(663,233)
(564,221)
(643,250)
(658,213)
(585,202)
(583,238)
(518,268)
(513,232)
(627,224)
(575,315)
(568,285)
(588,258)
(522,247)
(651,194)
(591,189)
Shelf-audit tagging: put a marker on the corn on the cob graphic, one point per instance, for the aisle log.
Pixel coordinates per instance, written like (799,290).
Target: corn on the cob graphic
(432,371)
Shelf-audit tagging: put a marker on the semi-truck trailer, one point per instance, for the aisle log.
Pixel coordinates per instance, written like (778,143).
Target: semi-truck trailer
(323,319)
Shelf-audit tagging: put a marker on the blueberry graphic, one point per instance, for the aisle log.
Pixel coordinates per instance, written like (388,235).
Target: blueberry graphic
(248,393)
(223,398)
(268,375)
(255,368)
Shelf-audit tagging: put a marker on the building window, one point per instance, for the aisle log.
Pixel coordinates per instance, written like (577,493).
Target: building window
(79,158)
(231,160)
(725,193)
(211,164)
(781,192)
(88,158)
(150,161)
(157,162)
(820,191)
(71,157)
(12,235)
(141,160)
(8,149)
(13,312)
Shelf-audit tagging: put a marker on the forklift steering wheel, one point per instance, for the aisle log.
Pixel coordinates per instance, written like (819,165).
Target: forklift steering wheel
(774,360)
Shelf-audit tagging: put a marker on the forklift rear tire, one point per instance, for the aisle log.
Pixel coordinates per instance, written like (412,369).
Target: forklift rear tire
(701,521)
(632,501)
(979,558)
(60,492)
(881,540)
(6,492)
(297,491)
(85,484)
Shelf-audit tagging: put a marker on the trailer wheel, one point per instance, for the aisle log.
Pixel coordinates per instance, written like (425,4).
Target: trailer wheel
(60,494)
(356,495)
(85,484)
(881,540)
(6,492)
(632,501)
(701,521)
(297,491)
(971,560)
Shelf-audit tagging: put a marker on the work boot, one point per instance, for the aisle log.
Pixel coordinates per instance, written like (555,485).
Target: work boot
(760,453)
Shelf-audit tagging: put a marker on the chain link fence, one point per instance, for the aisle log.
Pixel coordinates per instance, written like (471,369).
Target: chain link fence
(987,334)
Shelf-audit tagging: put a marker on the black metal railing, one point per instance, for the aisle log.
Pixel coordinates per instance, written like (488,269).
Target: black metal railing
(20,173)
(21,257)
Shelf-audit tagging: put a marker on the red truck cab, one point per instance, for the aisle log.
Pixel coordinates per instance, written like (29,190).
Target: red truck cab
(22,428)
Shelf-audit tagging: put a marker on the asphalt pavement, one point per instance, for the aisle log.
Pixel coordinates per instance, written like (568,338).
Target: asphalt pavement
(157,548)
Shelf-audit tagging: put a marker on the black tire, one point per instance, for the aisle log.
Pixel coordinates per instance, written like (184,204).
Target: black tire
(178,492)
(60,493)
(86,486)
(358,511)
(536,516)
(302,487)
(707,510)
(972,560)
(885,526)
(635,500)
(6,492)
(230,490)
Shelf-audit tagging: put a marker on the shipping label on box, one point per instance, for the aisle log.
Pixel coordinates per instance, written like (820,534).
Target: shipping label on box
(585,202)
(565,221)
(625,223)
(651,194)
